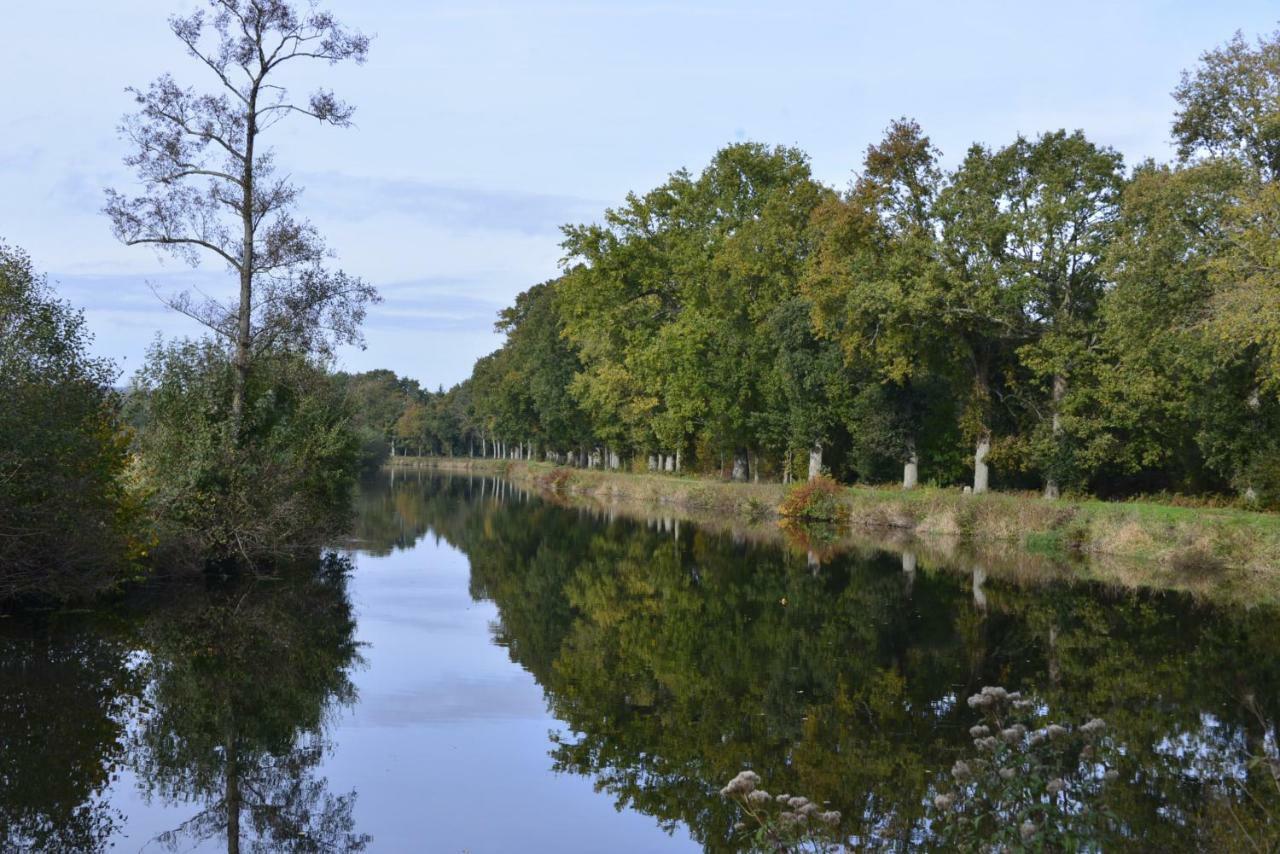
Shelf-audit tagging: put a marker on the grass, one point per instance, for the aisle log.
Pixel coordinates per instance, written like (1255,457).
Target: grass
(1215,551)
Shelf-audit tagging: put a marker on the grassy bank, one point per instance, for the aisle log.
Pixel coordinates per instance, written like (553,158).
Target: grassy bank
(1221,552)
(751,501)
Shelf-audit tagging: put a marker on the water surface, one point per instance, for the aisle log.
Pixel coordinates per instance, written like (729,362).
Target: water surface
(482,670)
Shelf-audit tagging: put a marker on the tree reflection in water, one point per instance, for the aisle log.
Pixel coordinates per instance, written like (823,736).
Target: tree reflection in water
(676,657)
(63,699)
(241,685)
(677,660)
(215,697)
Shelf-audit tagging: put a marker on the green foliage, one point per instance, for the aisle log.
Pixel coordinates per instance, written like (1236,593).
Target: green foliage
(281,488)
(377,400)
(674,306)
(1089,330)
(1230,105)
(66,524)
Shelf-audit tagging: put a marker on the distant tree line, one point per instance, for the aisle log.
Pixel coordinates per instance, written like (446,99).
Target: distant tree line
(1037,311)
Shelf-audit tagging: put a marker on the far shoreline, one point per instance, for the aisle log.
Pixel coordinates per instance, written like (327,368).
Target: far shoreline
(1225,555)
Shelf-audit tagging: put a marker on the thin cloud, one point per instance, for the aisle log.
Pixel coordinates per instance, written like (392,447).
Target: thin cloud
(454,207)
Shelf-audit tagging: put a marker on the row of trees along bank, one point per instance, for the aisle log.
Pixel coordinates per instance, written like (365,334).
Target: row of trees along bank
(1037,311)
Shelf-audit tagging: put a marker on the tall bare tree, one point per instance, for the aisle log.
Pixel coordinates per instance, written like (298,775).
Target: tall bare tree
(210,188)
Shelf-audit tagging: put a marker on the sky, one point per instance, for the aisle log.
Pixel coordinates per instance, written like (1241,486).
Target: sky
(481,127)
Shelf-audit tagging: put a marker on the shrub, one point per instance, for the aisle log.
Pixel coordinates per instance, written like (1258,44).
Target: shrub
(65,521)
(280,488)
(820,499)
(556,480)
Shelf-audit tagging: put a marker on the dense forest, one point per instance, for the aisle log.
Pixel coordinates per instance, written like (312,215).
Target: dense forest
(1037,317)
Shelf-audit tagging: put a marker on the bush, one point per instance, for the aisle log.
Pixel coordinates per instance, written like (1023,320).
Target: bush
(64,517)
(556,480)
(281,488)
(820,499)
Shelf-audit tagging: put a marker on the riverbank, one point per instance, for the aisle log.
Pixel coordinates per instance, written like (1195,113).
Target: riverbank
(1223,553)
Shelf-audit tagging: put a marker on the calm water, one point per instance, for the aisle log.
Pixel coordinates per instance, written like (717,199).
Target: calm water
(488,672)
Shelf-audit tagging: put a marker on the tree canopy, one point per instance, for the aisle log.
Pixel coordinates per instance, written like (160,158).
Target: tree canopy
(1035,308)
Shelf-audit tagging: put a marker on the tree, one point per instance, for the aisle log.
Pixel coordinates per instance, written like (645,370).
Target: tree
(282,491)
(618,297)
(377,399)
(875,281)
(1230,111)
(66,523)
(754,205)
(806,398)
(1230,106)
(210,188)
(669,301)
(411,427)
(540,369)
(1149,418)
(1061,196)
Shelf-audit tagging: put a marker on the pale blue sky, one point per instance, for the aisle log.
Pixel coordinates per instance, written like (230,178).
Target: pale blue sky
(482,126)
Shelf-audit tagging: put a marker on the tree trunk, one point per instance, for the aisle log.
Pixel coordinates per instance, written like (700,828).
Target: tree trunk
(815,459)
(1055,660)
(233,798)
(981,474)
(244,314)
(911,468)
(740,466)
(1051,490)
(677,460)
